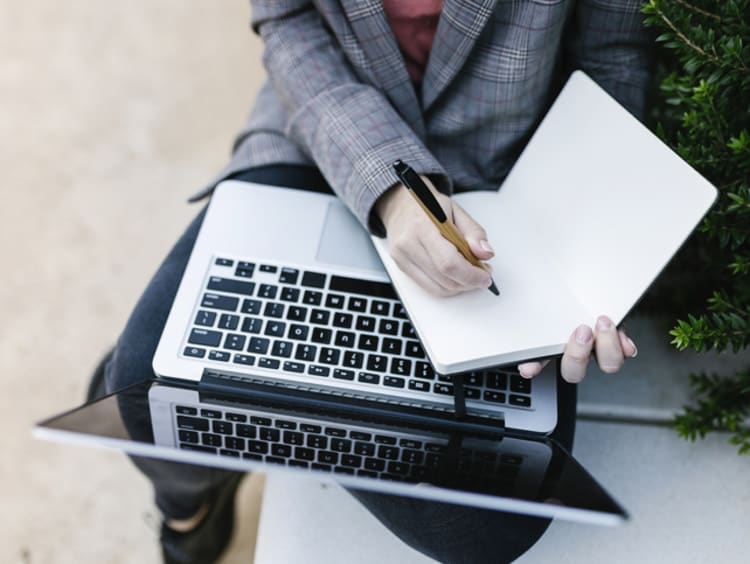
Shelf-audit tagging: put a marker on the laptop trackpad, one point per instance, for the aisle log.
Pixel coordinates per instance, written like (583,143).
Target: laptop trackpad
(344,242)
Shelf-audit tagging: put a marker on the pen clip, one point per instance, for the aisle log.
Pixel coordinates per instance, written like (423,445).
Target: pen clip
(411,180)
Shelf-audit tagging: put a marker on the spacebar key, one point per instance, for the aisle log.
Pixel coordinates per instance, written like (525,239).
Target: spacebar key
(364,287)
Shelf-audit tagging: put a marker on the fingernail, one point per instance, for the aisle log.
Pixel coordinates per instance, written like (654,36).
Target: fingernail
(485,244)
(584,334)
(603,324)
(635,349)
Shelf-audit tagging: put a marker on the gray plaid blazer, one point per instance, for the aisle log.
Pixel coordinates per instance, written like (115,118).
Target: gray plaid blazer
(339,96)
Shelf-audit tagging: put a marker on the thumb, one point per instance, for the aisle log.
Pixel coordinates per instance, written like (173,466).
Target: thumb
(474,233)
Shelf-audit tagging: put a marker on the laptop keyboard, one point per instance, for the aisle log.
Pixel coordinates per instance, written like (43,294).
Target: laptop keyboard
(338,448)
(328,327)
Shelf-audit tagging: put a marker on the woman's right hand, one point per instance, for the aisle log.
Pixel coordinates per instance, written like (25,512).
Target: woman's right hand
(419,249)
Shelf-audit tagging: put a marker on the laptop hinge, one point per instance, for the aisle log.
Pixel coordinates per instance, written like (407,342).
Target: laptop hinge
(234,384)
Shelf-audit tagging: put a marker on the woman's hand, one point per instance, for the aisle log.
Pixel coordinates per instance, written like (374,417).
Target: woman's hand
(612,347)
(423,253)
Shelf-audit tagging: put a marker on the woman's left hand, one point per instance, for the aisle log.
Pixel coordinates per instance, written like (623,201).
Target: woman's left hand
(612,347)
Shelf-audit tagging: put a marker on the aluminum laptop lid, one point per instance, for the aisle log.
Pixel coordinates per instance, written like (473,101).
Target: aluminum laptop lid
(388,452)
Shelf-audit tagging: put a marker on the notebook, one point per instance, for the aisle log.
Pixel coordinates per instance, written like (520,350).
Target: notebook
(592,211)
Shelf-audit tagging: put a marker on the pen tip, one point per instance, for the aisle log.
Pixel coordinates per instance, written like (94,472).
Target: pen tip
(493,288)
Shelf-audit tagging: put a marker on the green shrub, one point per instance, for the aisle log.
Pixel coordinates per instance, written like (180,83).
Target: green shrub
(703,113)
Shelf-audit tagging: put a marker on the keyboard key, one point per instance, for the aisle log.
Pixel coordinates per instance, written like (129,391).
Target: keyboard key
(377,362)
(282,349)
(407,330)
(391,346)
(251,325)
(414,349)
(294,367)
(270,363)
(388,452)
(268,291)
(364,449)
(222,427)
(231,286)
(520,401)
(375,465)
(205,318)
(424,370)
(365,323)
(303,453)
(276,460)
(236,417)
(398,468)
(328,457)
(360,435)
(320,335)
(229,321)
(497,380)
(385,440)
(520,385)
(296,313)
(357,304)
(341,445)
(204,337)
(258,447)
(258,345)
(379,307)
(209,439)
(368,342)
(298,332)
(343,320)
(312,297)
(308,428)
(195,352)
(214,301)
(410,443)
(313,279)
(224,262)
(351,460)
(288,275)
(335,301)
(220,356)
(472,393)
(419,386)
(264,421)
(197,448)
(268,268)
(494,397)
(344,339)
(329,355)
(400,367)
(271,435)
(290,294)
(320,316)
(399,311)
(281,450)
(362,287)
(343,374)
(317,441)
(315,370)
(305,352)
(335,432)
(474,378)
(294,438)
(444,389)
(185,410)
(368,378)
(388,327)
(251,307)
(298,463)
(353,359)
(245,269)
(275,328)
(274,309)
(188,436)
(234,341)
(211,413)
(192,423)
(394,382)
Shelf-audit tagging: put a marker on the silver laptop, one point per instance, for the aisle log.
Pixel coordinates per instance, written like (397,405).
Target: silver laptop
(284,289)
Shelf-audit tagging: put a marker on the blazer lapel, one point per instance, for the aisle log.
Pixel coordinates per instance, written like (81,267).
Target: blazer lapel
(383,58)
(459,26)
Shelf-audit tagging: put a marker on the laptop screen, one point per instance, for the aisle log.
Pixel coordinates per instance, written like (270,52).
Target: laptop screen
(472,466)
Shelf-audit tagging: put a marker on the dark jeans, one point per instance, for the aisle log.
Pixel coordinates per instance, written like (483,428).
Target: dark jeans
(445,532)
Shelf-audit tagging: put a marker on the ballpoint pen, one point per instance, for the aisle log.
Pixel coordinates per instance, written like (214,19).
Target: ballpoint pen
(427,201)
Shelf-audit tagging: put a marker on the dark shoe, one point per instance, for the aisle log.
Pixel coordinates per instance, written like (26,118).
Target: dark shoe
(96,385)
(205,543)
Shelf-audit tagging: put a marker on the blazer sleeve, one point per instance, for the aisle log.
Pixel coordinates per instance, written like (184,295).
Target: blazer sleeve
(611,44)
(346,126)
